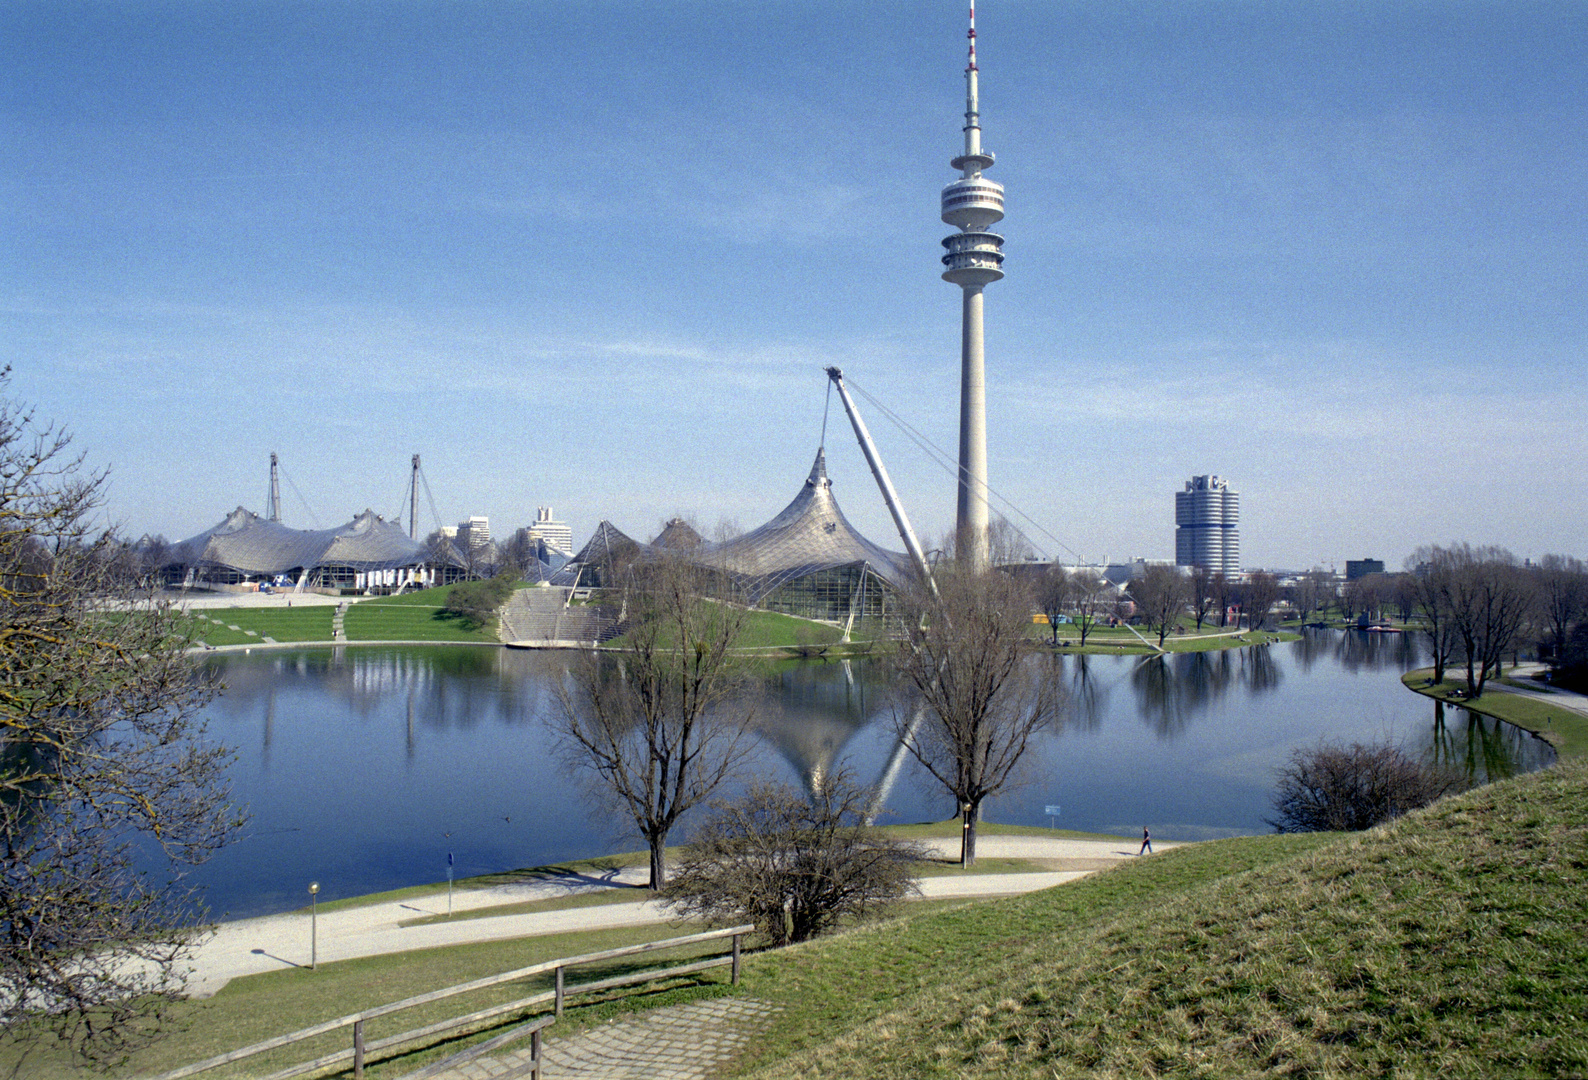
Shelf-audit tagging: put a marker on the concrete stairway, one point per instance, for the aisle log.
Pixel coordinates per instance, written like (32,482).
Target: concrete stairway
(537,616)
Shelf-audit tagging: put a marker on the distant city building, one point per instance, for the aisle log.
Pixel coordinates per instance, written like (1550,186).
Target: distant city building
(474,537)
(556,534)
(1205,515)
(1361,568)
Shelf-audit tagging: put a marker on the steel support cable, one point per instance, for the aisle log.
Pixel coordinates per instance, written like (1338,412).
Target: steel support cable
(950,465)
(307,508)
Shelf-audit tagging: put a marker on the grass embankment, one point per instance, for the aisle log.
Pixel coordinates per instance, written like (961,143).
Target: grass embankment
(415,616)
(1451,943)
(250,626)
(1562,728)
(769,631)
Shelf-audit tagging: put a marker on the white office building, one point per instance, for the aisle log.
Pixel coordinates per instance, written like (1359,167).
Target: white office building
(557,535)
(1206,514)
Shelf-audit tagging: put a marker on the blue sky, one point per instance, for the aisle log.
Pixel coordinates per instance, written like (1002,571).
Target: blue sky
(596,257)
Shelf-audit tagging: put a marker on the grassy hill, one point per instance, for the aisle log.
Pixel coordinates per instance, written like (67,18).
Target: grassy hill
(1453,942)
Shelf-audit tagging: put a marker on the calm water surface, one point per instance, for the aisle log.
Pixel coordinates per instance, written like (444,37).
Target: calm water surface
(364,767)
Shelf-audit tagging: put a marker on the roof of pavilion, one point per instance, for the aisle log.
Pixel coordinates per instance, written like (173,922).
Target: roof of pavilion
(810,535)
(250,544)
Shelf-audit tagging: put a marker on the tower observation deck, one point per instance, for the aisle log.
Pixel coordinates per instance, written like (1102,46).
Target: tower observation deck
(974,260)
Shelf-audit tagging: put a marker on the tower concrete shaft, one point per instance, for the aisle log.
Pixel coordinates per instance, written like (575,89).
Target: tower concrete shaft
(974,260)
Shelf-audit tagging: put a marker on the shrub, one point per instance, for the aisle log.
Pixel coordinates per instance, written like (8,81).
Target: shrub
(476,602)
(793,866)
(1330,787)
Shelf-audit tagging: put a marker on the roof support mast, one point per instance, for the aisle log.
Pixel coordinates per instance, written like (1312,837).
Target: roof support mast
(889,496)
(274,512)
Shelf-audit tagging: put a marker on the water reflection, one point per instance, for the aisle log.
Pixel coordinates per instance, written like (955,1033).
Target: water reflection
(810,712)
(365,767)
(1480,747)
(1172,688)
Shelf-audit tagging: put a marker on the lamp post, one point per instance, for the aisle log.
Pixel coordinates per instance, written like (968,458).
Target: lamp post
(314,944)
(964,837)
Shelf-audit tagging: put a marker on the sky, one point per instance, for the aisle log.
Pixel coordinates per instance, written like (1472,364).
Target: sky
(596,257)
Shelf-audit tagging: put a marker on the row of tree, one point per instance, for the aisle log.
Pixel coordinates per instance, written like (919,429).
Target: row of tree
(1478,604)
(1158,597)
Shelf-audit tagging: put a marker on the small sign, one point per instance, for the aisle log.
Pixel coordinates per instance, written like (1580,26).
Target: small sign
(1051,811)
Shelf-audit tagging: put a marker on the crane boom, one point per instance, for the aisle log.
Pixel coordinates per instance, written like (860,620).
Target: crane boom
(878,470)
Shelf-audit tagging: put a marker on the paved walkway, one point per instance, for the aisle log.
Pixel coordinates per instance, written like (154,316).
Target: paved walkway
(680,1042)
(249,946)
(1569,700)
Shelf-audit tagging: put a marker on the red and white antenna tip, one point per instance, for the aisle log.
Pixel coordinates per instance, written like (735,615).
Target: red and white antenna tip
(972,35)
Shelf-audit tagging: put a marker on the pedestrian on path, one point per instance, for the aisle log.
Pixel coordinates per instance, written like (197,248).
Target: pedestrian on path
(1146,842)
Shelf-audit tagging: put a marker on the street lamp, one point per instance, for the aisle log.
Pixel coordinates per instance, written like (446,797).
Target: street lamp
(314,951)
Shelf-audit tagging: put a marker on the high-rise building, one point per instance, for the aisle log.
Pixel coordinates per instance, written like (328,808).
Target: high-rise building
(974,260)
(474,537)
(556,534)
(1205,515)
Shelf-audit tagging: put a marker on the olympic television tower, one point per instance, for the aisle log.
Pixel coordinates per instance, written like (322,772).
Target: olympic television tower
(974,260)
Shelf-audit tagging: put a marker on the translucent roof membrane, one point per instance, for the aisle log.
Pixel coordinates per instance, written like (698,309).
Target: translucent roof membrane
(249,544)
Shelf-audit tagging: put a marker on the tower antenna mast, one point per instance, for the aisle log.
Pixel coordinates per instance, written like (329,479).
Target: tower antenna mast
(974,260)
(273,512)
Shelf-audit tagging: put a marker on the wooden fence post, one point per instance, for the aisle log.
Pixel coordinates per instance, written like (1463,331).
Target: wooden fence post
(736,938)
(534,1055)
(358,1049)
(557,1011)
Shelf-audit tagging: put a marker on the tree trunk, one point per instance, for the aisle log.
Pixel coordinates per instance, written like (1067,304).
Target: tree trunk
(658,862)
(967,843)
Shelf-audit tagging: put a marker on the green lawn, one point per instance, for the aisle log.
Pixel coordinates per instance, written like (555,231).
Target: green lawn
(303,623)
(418,616)
(1451,943)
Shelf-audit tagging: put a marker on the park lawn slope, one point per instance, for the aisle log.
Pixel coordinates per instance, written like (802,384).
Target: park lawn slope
(213,626)
(1453,942)
(415,616)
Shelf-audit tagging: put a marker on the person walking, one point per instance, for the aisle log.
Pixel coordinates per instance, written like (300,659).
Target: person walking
(1146,842)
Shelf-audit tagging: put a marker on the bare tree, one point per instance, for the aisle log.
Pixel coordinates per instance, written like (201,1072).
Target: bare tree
(662,721)
(1006,544)
(1563,598)
(1258,597)
(1089,594)
(1431,583)
(979,701)
(1223,590)
(1202,598)
(101,750)
(794,866)
(1490,601)
(520,555)
(1328,787)
(1053,595)
(1402,593)
(1160,593)
(1313,591)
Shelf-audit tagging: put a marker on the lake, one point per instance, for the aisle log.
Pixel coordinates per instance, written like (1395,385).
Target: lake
(364,767)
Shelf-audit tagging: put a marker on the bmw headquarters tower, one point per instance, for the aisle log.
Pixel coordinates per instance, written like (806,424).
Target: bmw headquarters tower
(974,260)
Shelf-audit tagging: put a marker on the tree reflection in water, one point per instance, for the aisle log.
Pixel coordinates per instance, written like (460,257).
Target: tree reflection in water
(1482,748)
(1172,688)
(367,766)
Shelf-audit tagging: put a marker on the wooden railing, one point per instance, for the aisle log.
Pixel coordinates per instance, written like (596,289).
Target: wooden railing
(359,1052)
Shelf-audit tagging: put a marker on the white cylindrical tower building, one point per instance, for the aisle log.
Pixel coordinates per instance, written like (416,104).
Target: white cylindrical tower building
(974,260)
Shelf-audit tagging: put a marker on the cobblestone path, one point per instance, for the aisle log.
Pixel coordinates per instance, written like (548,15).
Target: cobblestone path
(680,1042)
